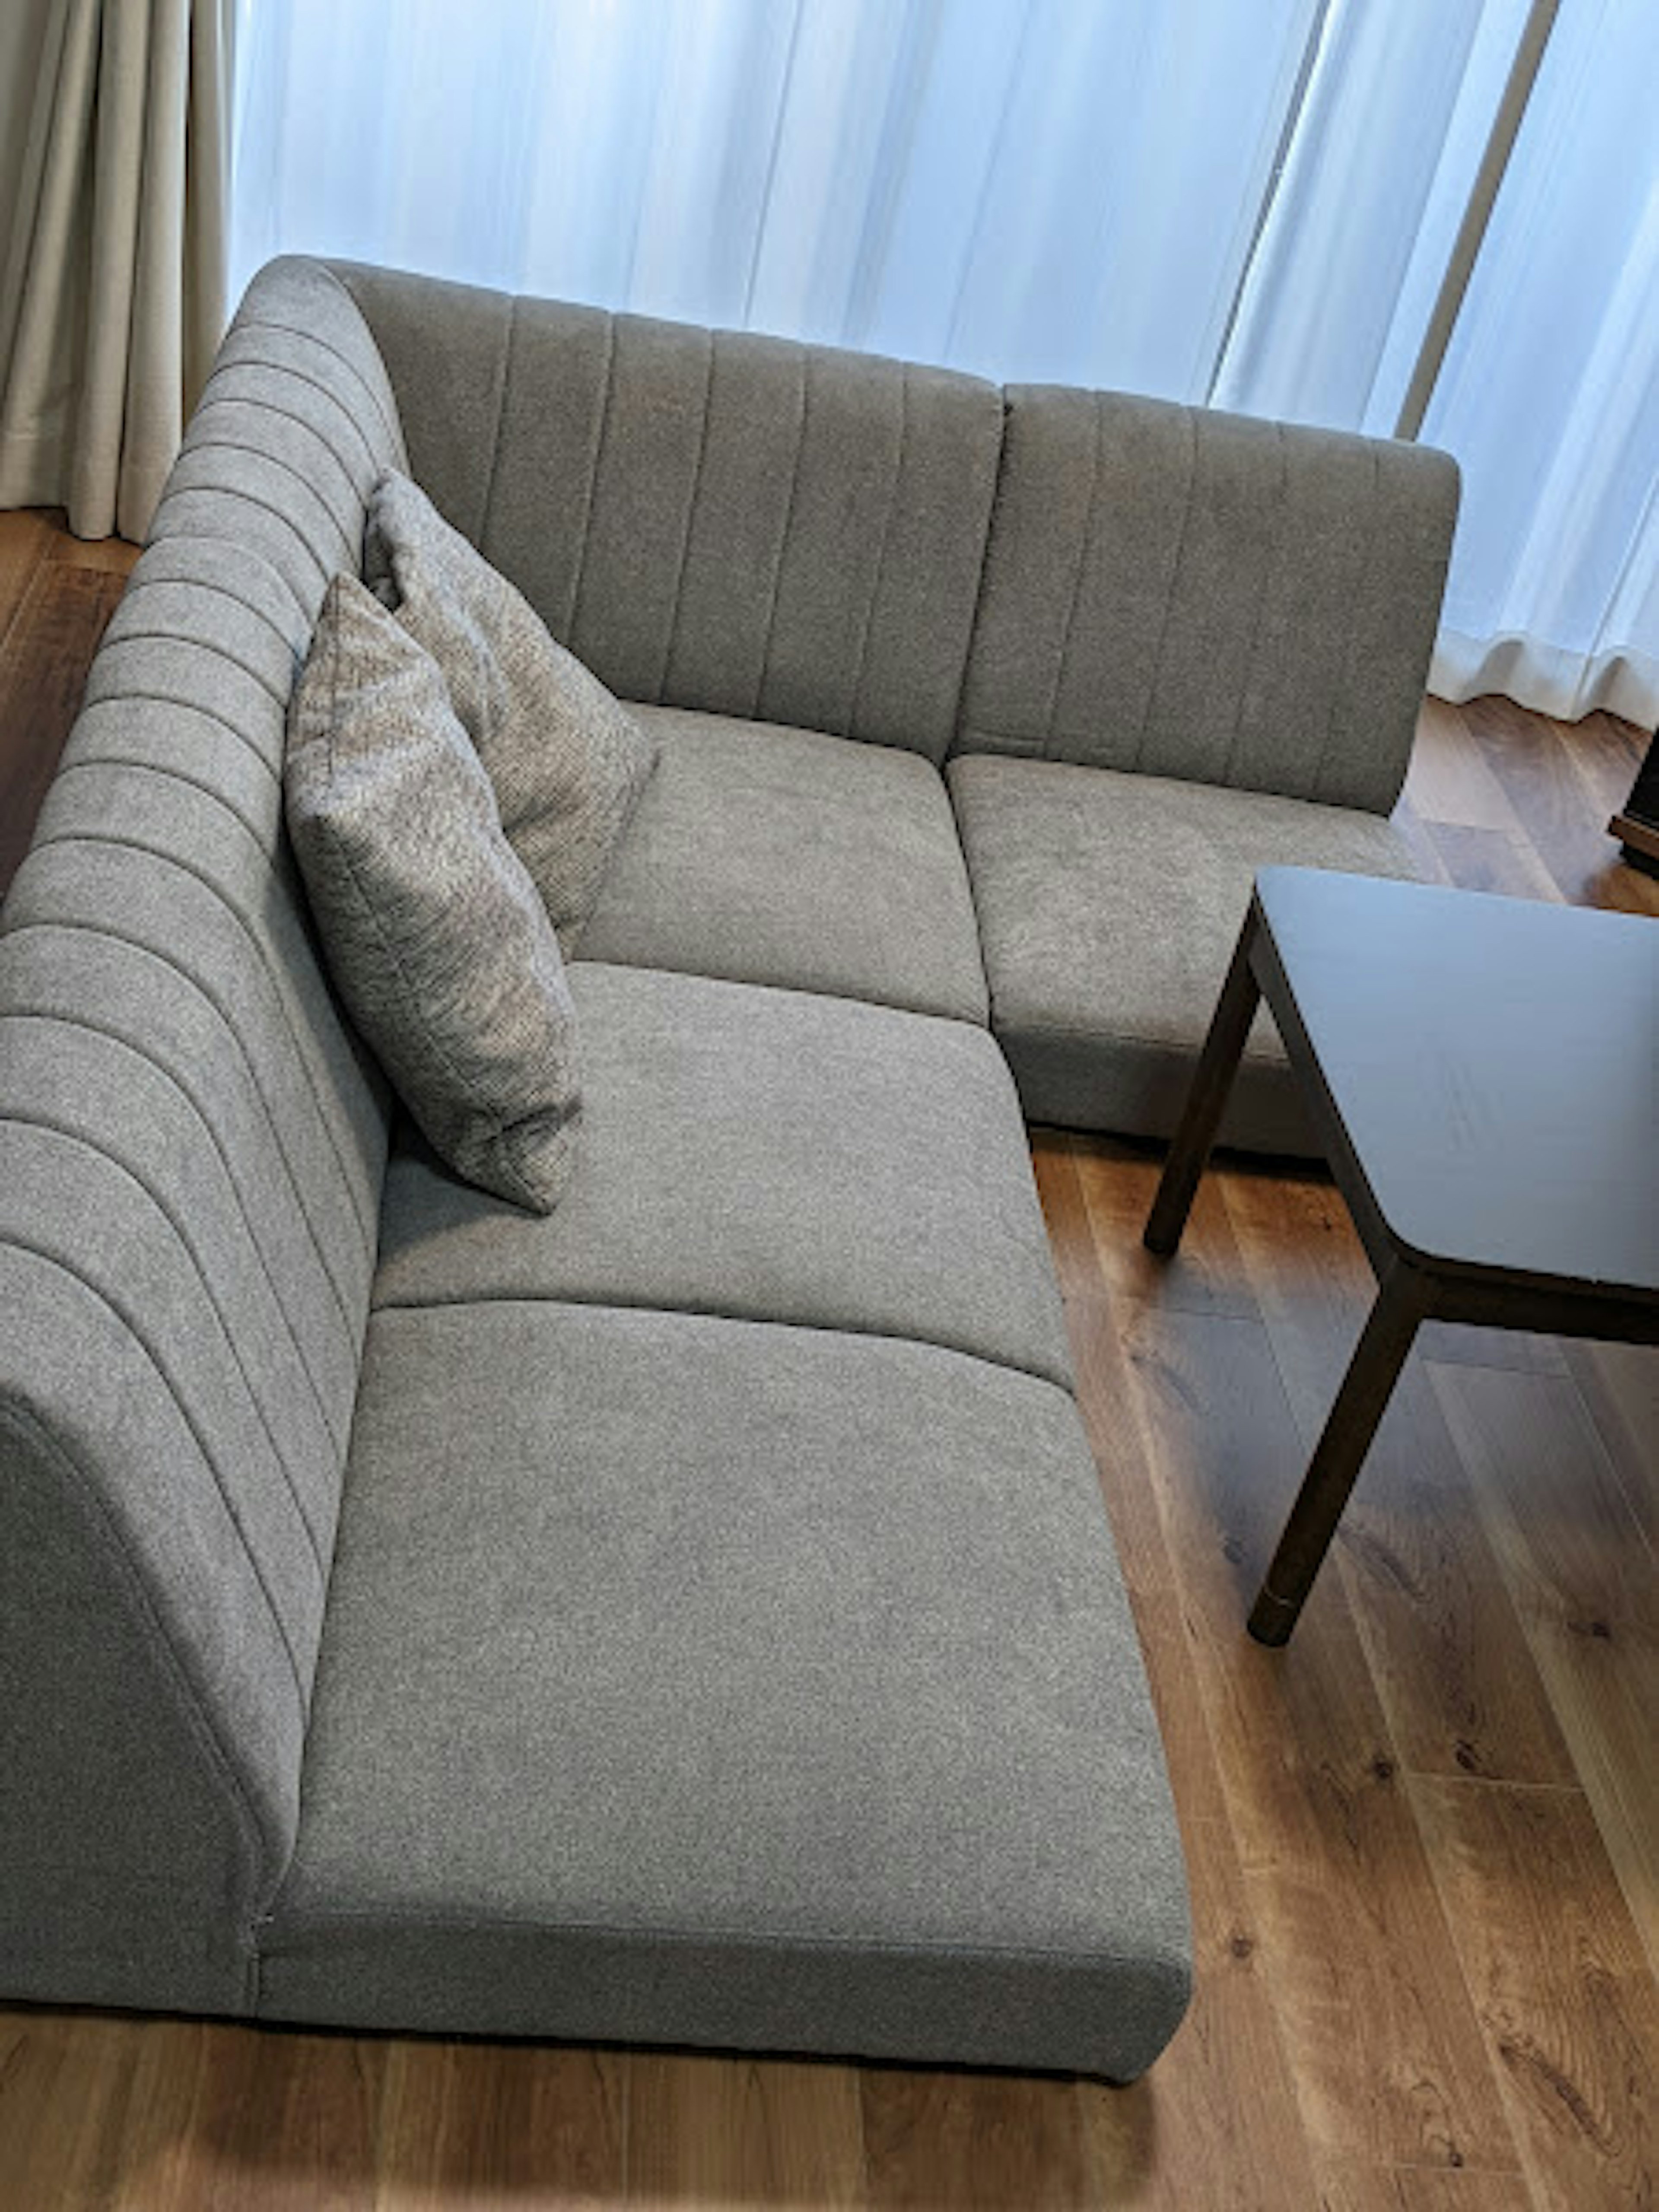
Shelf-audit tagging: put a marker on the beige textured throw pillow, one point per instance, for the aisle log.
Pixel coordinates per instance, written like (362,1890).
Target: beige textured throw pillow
(434,933)
(566,761)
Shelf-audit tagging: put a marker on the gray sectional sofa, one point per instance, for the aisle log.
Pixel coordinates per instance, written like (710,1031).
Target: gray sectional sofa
(691,1616)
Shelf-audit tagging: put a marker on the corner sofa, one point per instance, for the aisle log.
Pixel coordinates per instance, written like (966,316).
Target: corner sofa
(692,1616)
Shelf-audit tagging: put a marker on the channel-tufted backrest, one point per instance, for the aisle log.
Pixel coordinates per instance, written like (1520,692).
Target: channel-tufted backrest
(1190,594)
(708,518)
(191,1148)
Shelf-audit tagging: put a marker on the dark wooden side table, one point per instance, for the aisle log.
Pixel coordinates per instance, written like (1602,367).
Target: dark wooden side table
(1484,1073)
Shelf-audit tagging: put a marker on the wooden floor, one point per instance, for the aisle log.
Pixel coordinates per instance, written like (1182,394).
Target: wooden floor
(1424,1841)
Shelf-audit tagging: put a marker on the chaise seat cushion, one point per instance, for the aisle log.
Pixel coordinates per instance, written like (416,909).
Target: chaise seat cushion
(765,854)
(713,1750)
(766,1154)
(1109,904)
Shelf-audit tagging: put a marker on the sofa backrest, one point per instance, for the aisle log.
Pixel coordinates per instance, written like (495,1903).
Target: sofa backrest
(191,1148)
(1194,594)
(708,519)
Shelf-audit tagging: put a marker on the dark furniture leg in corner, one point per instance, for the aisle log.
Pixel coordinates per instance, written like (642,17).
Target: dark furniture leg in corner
(1212,1080)
(1402,1301)
(1636,823)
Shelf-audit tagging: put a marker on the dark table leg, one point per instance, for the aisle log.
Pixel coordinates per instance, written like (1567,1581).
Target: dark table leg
(1377,1359)
(1212,1080)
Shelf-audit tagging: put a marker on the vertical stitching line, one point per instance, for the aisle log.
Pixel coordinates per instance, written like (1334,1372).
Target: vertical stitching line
(1340,689)
(1251,658)
(1192,416)
(176,1398)
(788,525)
(594,465)
(712,339)
(1058,686)
(500,423)
(887,540)
(34,1118)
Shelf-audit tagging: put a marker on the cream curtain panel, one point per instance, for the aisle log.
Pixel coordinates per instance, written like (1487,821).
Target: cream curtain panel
(113,296)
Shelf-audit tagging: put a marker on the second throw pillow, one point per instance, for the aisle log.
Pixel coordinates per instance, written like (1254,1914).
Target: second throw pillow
(432,928)
(568,762)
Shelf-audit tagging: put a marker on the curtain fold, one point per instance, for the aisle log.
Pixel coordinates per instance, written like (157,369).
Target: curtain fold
(114,293)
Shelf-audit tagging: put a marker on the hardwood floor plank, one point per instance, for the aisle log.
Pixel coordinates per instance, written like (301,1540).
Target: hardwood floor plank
(1446,1650)
(478,2123)
(1387,2065)
(1562,1988)
(1558,807)
(1118,1181)
(43,667)
(1494,860)
(994,2141)
(742,2132)
(26,537)
(1450,780)
(1585,1592)
(1216,2122)
(1419,2189)
(1619,1384)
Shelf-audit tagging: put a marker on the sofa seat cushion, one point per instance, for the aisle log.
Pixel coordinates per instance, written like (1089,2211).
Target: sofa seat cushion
(773,855)
(1109,905)
(686,1679)
(767,1154)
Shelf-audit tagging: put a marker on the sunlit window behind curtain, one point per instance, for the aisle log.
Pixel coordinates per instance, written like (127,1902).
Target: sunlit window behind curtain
(1252,205)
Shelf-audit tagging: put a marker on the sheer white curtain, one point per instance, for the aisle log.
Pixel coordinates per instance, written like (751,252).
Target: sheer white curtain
(1252,205)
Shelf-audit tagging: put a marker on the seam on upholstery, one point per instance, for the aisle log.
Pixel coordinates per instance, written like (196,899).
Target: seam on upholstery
(801,422)
(231,367)
(173,776)
(196,533)
(248,499)
(1191,417)
(43,1012)
(887,540)
(297,1184)
(291,330)
(1225,778)
(394,428)
(711,339)
(612,1303)
(185,867)
(133,635)
(965,681)
(1097,440)
(142,583)
(645,1931)
(276,461)
(17,1244)
(125,697)
(595,463)
(33,1118)
(1340,690)
(507,345)
(210,400)
(26,1423)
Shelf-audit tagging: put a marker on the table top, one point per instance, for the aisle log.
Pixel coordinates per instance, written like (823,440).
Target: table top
(1495,1066)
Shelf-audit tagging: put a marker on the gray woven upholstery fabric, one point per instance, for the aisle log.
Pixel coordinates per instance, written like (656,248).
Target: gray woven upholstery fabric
(804,1710)
(710,520)
(435,937)
(768,1154)
(1110,906)
(768,856)
(1195,594)
(567,763)
(191,1146)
